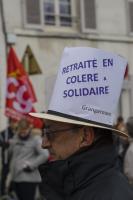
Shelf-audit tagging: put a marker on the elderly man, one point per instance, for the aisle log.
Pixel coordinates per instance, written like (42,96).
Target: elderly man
(128,159)
(79,129)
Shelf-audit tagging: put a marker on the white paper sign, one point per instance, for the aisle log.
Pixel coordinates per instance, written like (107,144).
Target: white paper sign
(88,84)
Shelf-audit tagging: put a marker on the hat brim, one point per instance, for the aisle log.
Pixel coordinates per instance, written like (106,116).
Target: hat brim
(73,121)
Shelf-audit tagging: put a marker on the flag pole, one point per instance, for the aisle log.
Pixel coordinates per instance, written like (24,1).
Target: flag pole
(4,27)
(5,37)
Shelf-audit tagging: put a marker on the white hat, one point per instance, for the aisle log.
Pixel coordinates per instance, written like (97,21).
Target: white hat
(87,88)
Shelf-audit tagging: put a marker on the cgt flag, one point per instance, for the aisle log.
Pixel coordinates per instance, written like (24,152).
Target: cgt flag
(20,95)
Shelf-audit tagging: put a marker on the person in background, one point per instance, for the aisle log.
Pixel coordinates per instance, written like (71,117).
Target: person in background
(37,131)
(120,125)
(5,137)
(122,143)
(26,155)
(128,160)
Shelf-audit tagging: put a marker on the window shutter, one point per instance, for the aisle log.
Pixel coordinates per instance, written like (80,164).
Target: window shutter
(131,15)
(88,15)
(33,15)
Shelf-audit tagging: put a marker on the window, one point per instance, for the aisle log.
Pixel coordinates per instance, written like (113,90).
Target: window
(49,12)
(88,15)
(130,6)
(57,12)
(65,13)
(33,12)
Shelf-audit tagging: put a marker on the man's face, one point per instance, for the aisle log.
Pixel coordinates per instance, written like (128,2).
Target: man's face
(61,139)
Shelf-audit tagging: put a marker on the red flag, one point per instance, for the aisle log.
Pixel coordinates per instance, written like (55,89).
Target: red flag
(20,94)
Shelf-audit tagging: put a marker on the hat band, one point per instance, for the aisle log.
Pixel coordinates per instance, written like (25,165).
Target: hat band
(78,119)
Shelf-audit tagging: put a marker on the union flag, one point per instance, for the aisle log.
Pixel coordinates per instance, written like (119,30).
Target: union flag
(20,95)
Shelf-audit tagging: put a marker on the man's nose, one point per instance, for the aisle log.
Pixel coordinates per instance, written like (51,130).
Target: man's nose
(45,143)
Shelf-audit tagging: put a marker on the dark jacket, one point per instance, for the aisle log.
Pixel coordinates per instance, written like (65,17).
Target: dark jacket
(89,175)
(5,136)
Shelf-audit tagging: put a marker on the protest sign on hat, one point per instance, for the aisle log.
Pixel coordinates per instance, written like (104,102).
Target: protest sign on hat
(87,88)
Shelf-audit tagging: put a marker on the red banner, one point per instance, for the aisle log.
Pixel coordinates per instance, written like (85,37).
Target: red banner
(20,94)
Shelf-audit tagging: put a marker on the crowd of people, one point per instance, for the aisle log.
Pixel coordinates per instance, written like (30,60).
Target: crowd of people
(125,147)
(81,154)
(21,155)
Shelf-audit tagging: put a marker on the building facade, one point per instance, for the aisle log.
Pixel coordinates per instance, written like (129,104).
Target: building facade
(47,26)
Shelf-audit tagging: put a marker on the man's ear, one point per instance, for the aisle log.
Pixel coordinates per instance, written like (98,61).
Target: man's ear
(87,137)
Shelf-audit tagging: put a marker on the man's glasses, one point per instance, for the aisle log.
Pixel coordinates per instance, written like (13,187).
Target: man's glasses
(50,134)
